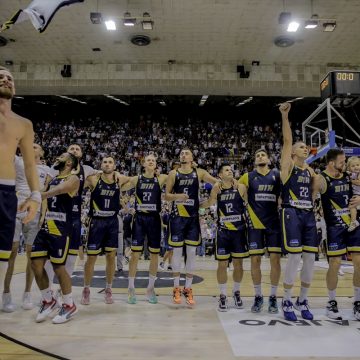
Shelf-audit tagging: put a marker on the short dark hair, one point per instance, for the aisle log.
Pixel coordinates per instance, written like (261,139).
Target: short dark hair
(75,144)
(261,150)
(108,156)
(332,154)
(74,160)
(221,167)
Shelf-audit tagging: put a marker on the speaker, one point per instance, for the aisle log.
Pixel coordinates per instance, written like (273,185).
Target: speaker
(241,70)
(66,71)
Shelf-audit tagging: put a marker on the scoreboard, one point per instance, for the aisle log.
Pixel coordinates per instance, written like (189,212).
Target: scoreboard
(342,87)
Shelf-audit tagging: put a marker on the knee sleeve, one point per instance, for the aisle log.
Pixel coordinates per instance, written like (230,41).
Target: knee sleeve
(190,260)
(291,268)
(3,269)
(176,259)
(50,272)
(307,270)
(70,264)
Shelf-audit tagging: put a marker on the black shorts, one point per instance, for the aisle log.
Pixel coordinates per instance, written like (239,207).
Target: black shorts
(146,226)
(103,235)
(340,240)
(8,208)
(184,230)
(75,237)
(261,239)
(231,243)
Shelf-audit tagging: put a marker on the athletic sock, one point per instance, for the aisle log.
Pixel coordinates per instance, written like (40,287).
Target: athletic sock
(188,282)
(108,286)
(258,290)
(273,290)
(152,279)
(68,299)
(176,281)
(332,295)
(303,293)
(131,283)
(356,293)
(222,288)
(287,294)
(47,294)
(236,287)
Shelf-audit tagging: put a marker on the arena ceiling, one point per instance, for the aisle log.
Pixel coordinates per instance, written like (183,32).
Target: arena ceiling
(188,31)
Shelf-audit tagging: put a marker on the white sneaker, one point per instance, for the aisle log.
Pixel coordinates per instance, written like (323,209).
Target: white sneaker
(65,314)
(7,304)
(27,303)
(332,311)
(46,309)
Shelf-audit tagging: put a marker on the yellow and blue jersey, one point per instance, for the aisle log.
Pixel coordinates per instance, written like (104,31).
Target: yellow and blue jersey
(263,195)
(105,199)
(335,200)
(186,184)
(58,215)
(148,195)
(230,209)
(296,191)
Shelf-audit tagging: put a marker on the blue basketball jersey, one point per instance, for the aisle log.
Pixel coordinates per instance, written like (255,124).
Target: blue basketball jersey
(263,195)
(335,200)
(105,199)
(230,209)
(148,195)
(296,192)
(186,184)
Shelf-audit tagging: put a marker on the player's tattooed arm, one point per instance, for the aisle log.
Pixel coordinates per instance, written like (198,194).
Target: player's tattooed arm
(286,162)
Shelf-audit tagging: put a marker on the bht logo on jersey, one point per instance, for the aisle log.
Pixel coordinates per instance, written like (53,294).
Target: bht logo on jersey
(186,182)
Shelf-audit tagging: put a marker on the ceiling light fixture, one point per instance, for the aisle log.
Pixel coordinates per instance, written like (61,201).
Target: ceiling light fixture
(147,23)
(244,101)
(116,99)
(203,100)
(110,25)
(293,26)
(128,20)
(71,99)
(162,103)
(329,26)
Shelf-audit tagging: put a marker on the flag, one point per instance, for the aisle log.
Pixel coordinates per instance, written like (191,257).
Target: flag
(40,12)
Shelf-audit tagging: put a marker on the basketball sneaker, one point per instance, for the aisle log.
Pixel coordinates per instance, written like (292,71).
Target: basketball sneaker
(46,309)
(27,303)
(332,311)
(304,309)
(151,296)
(131,296)
(108,296)
(273,306)
(162,266)
(189,296)
(177,295)
(7,304)
(223,303)
(85,299)
(288,309)
(65,314)
(169,268)
(238,303)
(258,304)
(356,310)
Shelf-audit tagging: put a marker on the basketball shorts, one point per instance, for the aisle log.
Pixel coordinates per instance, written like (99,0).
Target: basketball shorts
(8,208)
(166,239)
(28,230)
(299,231)
(54,247)
(261,239)
(184,230)
(231,243)
(146,226)
(339,241)
(75,237)
(103,235)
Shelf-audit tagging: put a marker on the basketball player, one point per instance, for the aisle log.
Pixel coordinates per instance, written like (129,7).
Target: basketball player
(53,240)
(15,131)
(146,223)
(182,188)
(28,230)
(297,218)
(263,190)
(335,189)
(231,241)
(104,225)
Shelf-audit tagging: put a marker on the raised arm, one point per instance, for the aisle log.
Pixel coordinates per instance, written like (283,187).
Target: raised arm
(286,162)
(206,177)
(91,181)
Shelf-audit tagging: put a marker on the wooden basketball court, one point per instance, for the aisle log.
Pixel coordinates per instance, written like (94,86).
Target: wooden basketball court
(165,330)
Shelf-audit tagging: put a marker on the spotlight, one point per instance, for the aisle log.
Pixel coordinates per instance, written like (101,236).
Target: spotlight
(110,25)
(313,23)
(128,20)
(203,100)
(96,18)
(329,26)
(147,23)
(293,26)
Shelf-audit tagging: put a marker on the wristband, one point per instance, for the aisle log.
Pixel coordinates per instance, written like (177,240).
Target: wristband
(36,196)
